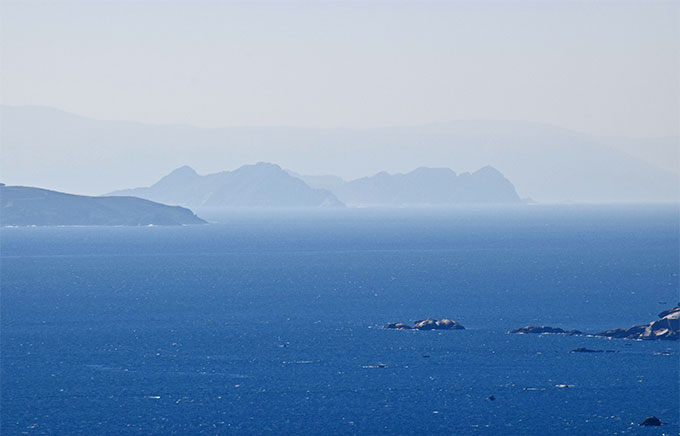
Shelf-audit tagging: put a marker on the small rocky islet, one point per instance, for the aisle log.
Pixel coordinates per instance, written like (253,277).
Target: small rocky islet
(542,329)
(426,324)
(667,327)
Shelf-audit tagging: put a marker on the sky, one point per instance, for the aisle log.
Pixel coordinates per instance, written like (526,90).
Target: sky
(607,68)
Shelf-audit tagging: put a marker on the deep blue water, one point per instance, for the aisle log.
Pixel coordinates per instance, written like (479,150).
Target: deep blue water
(265,324)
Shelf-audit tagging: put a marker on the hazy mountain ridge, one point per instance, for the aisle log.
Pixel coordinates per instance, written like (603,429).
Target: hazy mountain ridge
(266,185)
(262,185)
(422,186)
(48,147)
(28,206)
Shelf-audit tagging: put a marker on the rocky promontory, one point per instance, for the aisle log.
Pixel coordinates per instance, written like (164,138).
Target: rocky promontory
(426,324)
(28,206)
(667,327)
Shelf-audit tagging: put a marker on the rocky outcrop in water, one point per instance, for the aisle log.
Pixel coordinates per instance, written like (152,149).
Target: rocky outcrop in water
(539,330)
(651,421)
(427,324)
(667,327)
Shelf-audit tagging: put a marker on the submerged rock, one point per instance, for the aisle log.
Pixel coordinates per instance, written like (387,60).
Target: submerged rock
(666,328)
(427,324)
(376,366)
(585,350)
(651,421)
(588,350)
(539,330)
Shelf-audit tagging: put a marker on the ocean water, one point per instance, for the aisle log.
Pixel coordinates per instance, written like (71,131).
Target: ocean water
(264,323)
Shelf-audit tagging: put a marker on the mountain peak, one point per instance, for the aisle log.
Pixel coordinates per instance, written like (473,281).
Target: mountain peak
(488,169)
(181,176)
(184,170)
(265,166)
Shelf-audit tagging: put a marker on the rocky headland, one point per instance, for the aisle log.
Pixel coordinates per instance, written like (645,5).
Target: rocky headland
(667,327)
(28,206)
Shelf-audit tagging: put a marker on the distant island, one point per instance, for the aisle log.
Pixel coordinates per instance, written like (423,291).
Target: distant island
(262,185)
(426,324)
(28,206)
(266,185)
(422,186)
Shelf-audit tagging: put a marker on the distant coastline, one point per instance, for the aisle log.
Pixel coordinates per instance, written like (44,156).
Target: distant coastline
(27,206)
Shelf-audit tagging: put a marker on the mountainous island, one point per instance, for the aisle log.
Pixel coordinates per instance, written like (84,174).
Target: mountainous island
(27,206)
(267,185)
(422,186)
(262,185)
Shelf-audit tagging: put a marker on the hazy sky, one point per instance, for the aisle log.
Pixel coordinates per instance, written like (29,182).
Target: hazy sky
(605,67)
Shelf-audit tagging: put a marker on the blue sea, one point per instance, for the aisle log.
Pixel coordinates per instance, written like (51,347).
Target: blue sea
(268,323)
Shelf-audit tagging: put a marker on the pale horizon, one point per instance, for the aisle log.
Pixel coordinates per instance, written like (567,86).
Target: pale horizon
(605,68)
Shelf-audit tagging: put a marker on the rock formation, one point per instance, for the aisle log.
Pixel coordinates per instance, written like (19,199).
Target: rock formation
(667,327)
(427,324)
(651,421)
